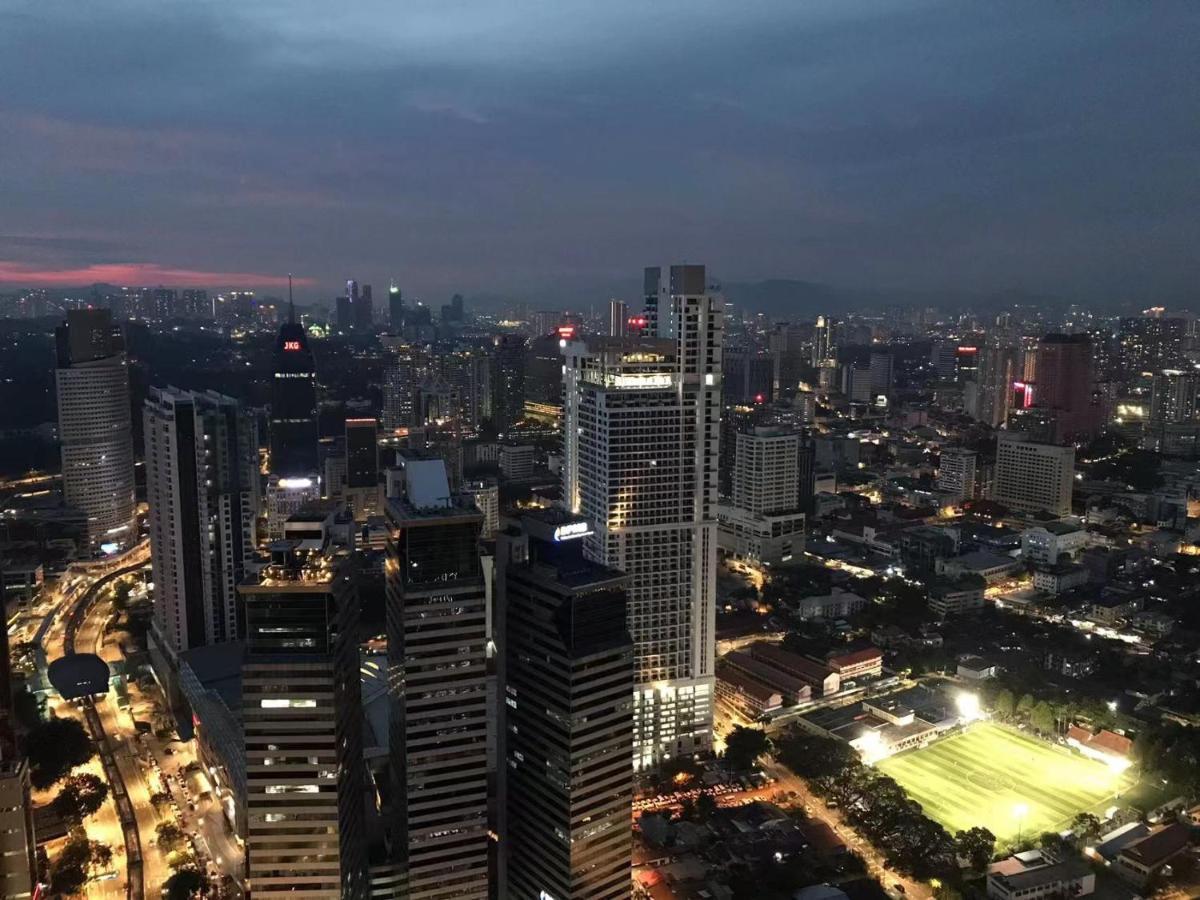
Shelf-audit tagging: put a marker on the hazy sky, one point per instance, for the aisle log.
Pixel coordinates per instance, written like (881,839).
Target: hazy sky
(1049,146)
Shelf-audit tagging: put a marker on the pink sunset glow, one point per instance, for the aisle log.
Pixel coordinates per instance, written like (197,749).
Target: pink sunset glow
(136,274)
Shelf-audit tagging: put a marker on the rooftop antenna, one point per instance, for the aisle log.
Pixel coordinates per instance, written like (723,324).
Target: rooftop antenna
(291,302)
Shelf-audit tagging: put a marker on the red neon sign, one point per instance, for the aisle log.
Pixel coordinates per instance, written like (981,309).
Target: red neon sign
(637,323)
(291,345)
(566,332)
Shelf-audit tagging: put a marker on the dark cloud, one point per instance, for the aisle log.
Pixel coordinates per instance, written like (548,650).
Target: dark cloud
(511,145)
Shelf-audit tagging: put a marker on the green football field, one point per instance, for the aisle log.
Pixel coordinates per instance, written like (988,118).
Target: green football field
(1011,783)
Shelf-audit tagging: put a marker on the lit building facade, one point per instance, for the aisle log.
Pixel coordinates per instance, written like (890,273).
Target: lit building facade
(640,436)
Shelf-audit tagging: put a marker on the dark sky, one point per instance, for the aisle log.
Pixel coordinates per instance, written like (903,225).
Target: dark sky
(507,146)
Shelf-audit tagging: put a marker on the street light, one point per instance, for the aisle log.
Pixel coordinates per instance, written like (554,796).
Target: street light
(1019,812)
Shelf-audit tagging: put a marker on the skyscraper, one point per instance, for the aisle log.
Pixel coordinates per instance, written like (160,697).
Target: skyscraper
(364,310)
(294,404)
(567,736)
(956,472)
(618,315)
(202,484)
(437,638)
(824,350)
(363,491)
(766,475)
(508,381)
(1033,477)
(302,718)
(1174,424)
(18,865)
(1064,384)
(640,435)
(989,397)
(395,309)
(1150,343)
(95,426)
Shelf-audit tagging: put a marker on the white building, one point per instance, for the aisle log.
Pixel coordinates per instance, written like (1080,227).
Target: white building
(1032,876)
(486,496)
(95,427)
(285,497)
(642,420)
(516,461)
(956,473)
(1046,544)
(763,524)
(837,605)
(1033,477)
(759,539)
(202,484)
(18,868)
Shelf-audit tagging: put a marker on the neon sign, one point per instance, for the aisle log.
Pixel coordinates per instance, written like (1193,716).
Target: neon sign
(291,345)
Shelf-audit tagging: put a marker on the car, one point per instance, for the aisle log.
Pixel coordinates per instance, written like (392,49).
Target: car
(897,886)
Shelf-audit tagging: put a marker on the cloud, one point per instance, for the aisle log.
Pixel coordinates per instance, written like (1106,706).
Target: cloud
(137,274)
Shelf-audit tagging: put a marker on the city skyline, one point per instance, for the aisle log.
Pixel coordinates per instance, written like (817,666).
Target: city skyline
(872,145)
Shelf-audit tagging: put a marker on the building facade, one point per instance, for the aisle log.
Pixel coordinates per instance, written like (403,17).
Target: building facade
(640,436)
(1033,477)
(294,405)
(95,427)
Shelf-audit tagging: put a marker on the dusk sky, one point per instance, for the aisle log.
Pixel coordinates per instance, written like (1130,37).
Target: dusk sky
(511,146)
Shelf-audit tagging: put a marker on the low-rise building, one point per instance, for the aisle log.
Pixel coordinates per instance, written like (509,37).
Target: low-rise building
(988,566)
(745,693)
(1140,861)
(956,597)
(1033,876)
(759,538)
(837,605)
(1059,578)
(865,663)
(516,461)
(1105,746)
(976,668)
(792,689)
(1047,544)
(823,680)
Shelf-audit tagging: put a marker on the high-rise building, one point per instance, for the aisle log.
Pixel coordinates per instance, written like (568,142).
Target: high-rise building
(1064,384)
(485,494)
(824,348)
(1033,477)
(395,309)
(956,472)
(766,475)
(437,624)
(302,719)
(402,374)
(363,491)
(95,427)
(567,735)
(1150,343)
(791,348)
(640,436)
(202,485)
(544,378)
(508,381)
(18,864)
(294,405)
(883,376)
(747,376)
(989,397)
(364,310)
(1174,424)
(618,317)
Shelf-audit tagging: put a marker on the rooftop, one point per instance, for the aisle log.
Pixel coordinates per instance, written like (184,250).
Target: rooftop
(1158,846)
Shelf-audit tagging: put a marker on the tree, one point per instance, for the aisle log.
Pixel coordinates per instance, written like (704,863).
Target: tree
(976,845)
(159,799)
(170,836)
(78,859)
(27,709)
(1004,704)
(183,885)
(80,796)
(744,746)
(1086,826)
(687,809)
(54,748)
(121,592)
(1042,717)
(1025,705)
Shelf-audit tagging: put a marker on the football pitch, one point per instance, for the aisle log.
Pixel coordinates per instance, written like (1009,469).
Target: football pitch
(1011,783)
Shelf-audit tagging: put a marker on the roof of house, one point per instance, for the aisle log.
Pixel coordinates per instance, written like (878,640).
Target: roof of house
(1157,848)
(747,684)
(793,662)
(1108,741)
(855,657)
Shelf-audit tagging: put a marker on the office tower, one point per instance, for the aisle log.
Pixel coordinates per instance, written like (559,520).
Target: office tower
(856,383)
(618,317)
(508,381)
(18,864)
(956,472)
(95,427)
(544,378)
(993,384)
(302,719)
(747,376)
(395,310)
(824,349)
(437,638)
(364,310)
(790,346)
(766,475)
(640,437)
(1033,477)
(294,404)
(1150,343)
(362,492)
(1064,384)
(344,313)
(567,735)
(202,485)
(883,376)
(806,472)
(943,356)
